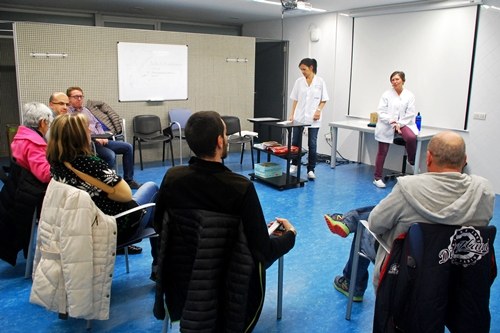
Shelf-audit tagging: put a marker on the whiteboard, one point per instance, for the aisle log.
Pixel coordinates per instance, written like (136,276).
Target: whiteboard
(152,72)
(435,50)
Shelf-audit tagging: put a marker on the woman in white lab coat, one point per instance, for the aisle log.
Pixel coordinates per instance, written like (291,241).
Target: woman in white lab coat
(396,115)
(309,97)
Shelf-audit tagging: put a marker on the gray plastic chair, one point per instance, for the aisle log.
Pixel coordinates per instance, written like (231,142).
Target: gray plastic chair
(147,129)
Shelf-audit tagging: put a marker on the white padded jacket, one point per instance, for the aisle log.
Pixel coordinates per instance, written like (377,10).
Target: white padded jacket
(75,254)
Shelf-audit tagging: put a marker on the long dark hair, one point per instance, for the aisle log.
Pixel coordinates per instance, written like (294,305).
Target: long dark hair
(310,62)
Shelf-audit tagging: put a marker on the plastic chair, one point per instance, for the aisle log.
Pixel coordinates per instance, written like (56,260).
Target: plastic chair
(147,129)
(145,232)
(360,230)
(178,118)
(236,136)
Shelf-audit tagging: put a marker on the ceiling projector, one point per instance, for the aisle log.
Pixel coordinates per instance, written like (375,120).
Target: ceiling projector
(296,4)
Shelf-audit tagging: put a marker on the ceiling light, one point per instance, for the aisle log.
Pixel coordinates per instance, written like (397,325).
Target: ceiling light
(293,4)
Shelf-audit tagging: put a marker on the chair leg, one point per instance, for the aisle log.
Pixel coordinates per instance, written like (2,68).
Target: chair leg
(140,153)
(31,246)
(126,259)
(133,149)
(251,152)
(172,153)
(279,310)
(242,151)
(166,323)
(354,269)
(163,156)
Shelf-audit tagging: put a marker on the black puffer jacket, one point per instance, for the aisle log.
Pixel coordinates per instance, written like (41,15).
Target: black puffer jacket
(207,274)
(20,195)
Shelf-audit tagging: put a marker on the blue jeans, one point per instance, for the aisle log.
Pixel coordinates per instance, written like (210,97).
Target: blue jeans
(108,154)
(351,219)
(145,194)
(312,144)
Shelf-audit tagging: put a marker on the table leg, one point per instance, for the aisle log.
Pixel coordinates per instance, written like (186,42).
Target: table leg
(361,142)
(333,137)
(416,167)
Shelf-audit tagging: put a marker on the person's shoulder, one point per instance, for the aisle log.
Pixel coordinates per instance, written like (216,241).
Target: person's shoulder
(483,182)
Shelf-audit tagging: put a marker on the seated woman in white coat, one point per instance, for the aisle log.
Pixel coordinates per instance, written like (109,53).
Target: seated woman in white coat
(396,114)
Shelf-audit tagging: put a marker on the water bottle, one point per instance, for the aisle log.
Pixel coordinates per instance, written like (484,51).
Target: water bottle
(418,121)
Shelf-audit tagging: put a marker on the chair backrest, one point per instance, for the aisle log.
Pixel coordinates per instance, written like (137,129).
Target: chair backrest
(233,125)
(205,254)
(179,116)
(442,276)
(146,124)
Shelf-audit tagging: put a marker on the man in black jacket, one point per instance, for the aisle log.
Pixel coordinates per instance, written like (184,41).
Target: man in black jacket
(206,185)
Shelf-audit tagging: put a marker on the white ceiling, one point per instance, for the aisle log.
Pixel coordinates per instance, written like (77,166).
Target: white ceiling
(229,12)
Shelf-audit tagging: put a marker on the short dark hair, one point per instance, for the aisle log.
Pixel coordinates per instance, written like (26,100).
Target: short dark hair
(70,89)
(401,74)
(202,131)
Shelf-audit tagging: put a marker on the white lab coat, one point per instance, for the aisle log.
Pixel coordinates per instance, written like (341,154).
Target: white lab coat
(400,108)
(308,99)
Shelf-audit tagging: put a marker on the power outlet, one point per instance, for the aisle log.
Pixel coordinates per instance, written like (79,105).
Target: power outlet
(479,115)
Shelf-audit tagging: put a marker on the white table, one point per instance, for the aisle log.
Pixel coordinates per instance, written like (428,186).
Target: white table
(361,125)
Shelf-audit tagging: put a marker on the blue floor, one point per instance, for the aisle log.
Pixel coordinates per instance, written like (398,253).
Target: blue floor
(310,303)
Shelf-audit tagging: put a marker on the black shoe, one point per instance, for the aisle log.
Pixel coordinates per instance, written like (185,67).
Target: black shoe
(132,249)
(133,184)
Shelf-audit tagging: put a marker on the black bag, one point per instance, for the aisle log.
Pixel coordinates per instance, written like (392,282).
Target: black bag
(129,224)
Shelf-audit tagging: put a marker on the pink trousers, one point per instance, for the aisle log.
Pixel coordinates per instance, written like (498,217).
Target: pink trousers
(383,147)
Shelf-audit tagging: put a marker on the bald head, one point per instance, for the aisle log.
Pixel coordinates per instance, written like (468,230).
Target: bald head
(446,152)
(59,103)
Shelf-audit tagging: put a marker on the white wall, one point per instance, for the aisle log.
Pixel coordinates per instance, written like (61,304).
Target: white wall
(333,55)
(297,32)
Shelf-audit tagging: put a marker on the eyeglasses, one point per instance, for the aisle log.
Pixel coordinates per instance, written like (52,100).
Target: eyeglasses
(76,96)
(61,103)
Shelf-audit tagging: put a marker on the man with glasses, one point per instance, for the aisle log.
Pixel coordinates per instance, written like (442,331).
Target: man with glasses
(59,103)
(105,148)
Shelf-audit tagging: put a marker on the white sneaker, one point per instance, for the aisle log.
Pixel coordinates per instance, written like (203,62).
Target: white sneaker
(293,168)
(379,183)
(409,169)
(311,175)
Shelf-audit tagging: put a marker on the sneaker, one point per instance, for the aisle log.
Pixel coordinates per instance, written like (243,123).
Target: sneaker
(311,175)
(336,225)
(341,284)
(132,249)
(293,168)
(133,184)
(409,169)
(379,183)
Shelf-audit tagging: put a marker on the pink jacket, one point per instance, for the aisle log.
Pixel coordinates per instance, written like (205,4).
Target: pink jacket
(28,148)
